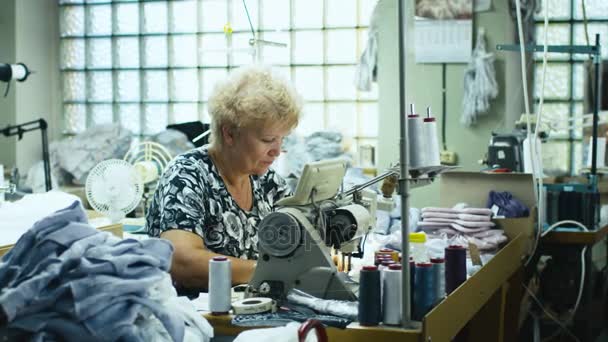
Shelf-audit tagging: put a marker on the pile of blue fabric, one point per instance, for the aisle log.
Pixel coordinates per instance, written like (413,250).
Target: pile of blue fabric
(65,280)
(317,146)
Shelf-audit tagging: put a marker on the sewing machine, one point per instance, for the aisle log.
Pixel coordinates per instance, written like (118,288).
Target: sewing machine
(295,241)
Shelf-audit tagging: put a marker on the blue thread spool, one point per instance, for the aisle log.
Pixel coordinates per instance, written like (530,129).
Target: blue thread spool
(370,304)
(425,292)
(439,276)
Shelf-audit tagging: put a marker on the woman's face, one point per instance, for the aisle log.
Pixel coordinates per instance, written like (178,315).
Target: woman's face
(258,147)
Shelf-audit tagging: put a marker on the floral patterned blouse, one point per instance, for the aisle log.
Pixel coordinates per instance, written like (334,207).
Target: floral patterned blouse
(192,196)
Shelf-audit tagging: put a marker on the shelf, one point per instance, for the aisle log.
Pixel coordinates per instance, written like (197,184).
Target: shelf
(576,238)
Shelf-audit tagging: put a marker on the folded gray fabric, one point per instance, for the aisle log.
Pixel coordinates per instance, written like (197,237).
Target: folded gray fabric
(66,280)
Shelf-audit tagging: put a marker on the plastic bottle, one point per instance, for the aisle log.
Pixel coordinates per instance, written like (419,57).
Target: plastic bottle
(418,248)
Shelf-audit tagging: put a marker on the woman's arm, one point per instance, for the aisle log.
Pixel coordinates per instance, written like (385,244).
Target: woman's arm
(190,264)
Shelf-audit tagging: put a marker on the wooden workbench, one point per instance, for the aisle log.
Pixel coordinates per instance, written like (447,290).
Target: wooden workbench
(484,302)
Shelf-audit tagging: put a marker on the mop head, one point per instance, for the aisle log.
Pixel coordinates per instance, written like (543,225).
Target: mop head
(479,83)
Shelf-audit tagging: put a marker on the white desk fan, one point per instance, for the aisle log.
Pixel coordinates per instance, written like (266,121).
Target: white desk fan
(149,160)
(114,188)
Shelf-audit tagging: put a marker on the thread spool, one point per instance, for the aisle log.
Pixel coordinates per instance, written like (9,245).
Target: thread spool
(385,252)
(370,310)
(220,283)
(431,147)
(253,306)
(455,267)
(415,139)
(387,262)
(380,258)
(439,276)
(393,253)
(391,296)
(425,292)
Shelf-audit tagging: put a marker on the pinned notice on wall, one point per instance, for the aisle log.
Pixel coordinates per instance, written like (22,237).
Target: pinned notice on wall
(482,5)
(443,31)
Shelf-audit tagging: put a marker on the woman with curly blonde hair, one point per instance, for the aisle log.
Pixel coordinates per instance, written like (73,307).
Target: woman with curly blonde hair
(210,200)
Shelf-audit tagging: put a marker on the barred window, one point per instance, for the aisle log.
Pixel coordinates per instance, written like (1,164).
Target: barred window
(147,64)
(564,87)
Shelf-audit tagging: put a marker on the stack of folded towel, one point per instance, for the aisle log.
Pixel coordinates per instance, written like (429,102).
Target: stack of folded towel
(475,224)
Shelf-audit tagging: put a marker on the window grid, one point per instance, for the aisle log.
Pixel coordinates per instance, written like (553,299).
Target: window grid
(570,141)
(337,96)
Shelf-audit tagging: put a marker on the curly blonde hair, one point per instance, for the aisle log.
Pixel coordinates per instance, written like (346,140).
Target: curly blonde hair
(250,96)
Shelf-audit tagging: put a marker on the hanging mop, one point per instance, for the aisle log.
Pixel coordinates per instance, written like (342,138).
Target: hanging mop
(479,82)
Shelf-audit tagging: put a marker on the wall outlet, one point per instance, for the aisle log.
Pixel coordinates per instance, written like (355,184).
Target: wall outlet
(448,158)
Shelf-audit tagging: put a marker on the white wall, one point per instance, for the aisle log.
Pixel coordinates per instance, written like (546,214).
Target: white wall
(32,34)
(37,45)
(7,104)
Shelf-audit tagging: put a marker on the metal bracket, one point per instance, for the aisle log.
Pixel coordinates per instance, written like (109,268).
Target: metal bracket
(583,49)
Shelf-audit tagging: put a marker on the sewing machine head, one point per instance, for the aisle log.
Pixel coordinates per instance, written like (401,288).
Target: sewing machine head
(294,242)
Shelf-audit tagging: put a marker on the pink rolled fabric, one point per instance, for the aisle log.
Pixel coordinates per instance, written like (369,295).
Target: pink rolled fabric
(467,230)
(466,224)
(466,217)
(488,233)
(473,211)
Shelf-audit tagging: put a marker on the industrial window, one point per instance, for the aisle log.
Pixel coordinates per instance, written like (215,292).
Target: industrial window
(150,63)
(564,81)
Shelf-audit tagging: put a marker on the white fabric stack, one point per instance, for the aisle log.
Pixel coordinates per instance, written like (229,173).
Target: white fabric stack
(474,224)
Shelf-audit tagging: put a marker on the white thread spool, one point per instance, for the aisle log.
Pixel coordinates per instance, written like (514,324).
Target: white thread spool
(391,295)
(430,150)
(220,284)
(439,276)
(415,138)
(252,306)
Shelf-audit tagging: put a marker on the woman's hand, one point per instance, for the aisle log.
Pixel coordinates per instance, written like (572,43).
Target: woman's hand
(190,264)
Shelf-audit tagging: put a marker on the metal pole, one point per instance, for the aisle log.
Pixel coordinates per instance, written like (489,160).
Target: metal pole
(596,86)
(45,155)
(368,183)
(403,184)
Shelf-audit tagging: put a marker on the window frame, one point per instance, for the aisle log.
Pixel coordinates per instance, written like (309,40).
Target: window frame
(360,101)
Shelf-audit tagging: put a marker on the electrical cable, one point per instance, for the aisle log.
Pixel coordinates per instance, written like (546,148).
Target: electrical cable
(553,318)
(249,19)
(557,224)
(585,22)
(582,282)
(580,294)
(536,157)
(536,177)
(583,270)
